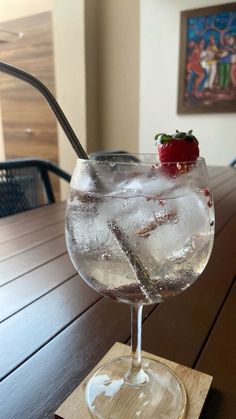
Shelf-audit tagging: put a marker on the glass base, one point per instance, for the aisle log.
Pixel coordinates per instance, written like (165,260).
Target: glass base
(161,396)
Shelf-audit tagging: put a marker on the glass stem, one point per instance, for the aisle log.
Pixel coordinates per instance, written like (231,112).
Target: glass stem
(136,375)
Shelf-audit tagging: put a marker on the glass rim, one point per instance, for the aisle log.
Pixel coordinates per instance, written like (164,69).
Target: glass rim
(155,160)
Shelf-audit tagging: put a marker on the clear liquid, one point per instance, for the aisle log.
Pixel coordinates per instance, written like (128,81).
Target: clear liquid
(139,248)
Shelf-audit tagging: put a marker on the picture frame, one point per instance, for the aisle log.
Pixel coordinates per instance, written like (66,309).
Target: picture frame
(207,60)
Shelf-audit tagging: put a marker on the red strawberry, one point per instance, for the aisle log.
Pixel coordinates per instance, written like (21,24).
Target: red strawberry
(179,147)
(177,151)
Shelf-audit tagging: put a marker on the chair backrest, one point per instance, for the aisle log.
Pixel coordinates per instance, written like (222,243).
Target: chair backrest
(120,155)
(25,184)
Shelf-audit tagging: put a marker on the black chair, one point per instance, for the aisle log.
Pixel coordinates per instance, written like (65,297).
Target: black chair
(117,155)
(25,184)
(233,163)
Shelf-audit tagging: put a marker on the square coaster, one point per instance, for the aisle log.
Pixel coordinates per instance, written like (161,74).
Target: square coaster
(197,385)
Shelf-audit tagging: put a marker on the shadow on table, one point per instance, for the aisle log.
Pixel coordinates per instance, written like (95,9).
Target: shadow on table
(211,409)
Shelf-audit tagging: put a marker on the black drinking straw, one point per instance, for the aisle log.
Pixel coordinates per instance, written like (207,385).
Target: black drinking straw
(63,121)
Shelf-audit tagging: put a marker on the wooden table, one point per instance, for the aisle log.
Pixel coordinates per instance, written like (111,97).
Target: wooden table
(54,328)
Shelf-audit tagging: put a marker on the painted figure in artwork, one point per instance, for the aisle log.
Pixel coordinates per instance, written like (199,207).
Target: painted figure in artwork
(233,62)
(196,73)
(212,51)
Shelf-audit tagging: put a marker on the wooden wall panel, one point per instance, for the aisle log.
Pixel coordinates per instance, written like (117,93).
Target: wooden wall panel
(29,126)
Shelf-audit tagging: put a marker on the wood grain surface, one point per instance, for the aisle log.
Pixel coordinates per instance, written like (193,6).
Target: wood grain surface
(54,328)
(195,383)
(23,108)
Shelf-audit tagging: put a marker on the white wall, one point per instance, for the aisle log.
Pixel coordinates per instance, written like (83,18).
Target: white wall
(69,55)
(15,9)
(118,74)
(159,56)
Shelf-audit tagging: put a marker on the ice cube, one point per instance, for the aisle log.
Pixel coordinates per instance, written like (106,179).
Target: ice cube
(169,238)
(147,185)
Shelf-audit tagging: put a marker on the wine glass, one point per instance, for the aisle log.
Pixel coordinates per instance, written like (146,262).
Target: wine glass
(139,232)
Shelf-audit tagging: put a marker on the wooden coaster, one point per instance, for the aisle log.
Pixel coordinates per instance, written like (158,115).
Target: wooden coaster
(196,383)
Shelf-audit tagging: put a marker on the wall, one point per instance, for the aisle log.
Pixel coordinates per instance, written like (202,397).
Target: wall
(68,28)
(14,9)
(69,53)
(160,28)
(103,105)
(112,74)
(92,87)
(118,73)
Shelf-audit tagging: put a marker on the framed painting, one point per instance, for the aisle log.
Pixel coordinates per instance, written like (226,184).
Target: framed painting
(207,61)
